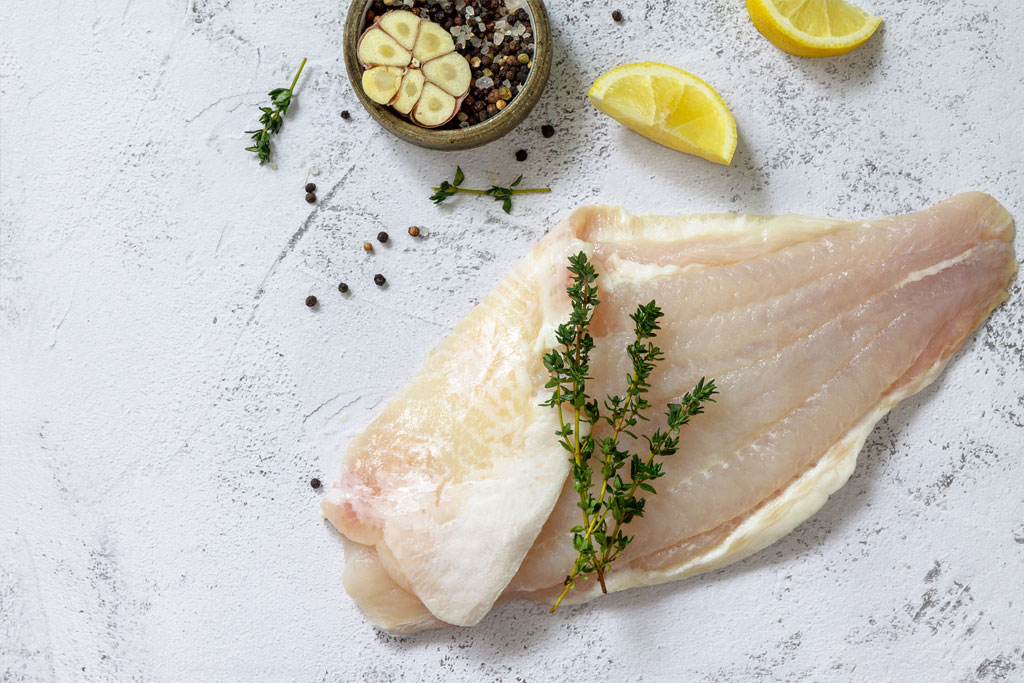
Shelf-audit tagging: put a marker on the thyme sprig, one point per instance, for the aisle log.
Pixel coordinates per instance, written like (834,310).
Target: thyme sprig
(501,194)
(589,431)
(272,118)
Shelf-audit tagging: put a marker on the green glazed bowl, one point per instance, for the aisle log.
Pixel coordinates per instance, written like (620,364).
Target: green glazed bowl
(459,138)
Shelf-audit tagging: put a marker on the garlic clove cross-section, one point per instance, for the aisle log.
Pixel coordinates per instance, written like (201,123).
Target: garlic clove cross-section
(435,108)
(409,93)
(450,72)
(382,82)
(379,49)
(432,42)
(403,26)
(411,64)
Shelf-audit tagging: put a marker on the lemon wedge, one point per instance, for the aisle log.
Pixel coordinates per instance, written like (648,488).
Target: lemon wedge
(669,106)
(812,28)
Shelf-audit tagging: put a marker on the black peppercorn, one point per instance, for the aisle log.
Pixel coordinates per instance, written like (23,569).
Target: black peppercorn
(310,187)
(547,130)
(314,482)
(342,287)
(521,155)
(311,301)
(345,114)
(382,237)
(379,280)
(617,15)
(310,197)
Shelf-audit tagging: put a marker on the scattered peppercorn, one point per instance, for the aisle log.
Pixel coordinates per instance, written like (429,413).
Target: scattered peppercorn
(314,482)
(310,187)
(345,115)
(521,155)
(310,197)
(414,231)
(342,287)
(617,15)
(382,237)
(379,280)
(367,246)
(311,301)
(547,130)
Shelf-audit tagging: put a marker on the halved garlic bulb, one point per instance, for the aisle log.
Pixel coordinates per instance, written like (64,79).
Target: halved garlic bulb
(378,48)
(450,72)
(433,41)
(402,26)
(409,93)
(434,108)
(382,82)
(411,64)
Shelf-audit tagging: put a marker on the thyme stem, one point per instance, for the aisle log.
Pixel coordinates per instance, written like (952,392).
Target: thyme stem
(501,194)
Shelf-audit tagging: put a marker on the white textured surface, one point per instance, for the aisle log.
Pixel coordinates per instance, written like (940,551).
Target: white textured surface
(165,395)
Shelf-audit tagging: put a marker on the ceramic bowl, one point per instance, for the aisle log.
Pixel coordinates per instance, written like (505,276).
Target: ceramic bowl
(458,138)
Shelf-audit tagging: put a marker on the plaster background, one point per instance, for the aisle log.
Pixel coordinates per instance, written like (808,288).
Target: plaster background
(165,396)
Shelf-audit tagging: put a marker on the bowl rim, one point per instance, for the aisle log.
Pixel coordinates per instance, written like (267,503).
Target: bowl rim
(457,138)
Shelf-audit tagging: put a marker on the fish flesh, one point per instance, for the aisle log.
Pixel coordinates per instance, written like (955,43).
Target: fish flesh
(457,495)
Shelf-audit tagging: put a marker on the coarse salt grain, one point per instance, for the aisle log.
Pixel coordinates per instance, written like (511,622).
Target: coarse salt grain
(484,82)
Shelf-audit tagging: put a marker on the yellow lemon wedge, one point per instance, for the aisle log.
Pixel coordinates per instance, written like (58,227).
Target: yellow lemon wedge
(669,106)
(812,28)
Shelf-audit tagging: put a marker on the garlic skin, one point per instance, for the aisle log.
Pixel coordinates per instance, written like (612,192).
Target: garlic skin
(411,65)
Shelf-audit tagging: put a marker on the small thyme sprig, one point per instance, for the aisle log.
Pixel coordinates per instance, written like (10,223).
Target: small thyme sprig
(501,194)
(596,546)
(272,118)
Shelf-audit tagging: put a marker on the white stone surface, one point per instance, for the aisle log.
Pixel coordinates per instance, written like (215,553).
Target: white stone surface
(165,396)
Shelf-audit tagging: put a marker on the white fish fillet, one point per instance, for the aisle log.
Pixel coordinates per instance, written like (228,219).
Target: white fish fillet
(456,496)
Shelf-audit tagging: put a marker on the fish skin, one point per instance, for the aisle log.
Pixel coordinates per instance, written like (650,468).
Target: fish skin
(933,277)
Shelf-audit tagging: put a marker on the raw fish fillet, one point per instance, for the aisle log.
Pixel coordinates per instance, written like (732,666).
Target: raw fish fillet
(456,496)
